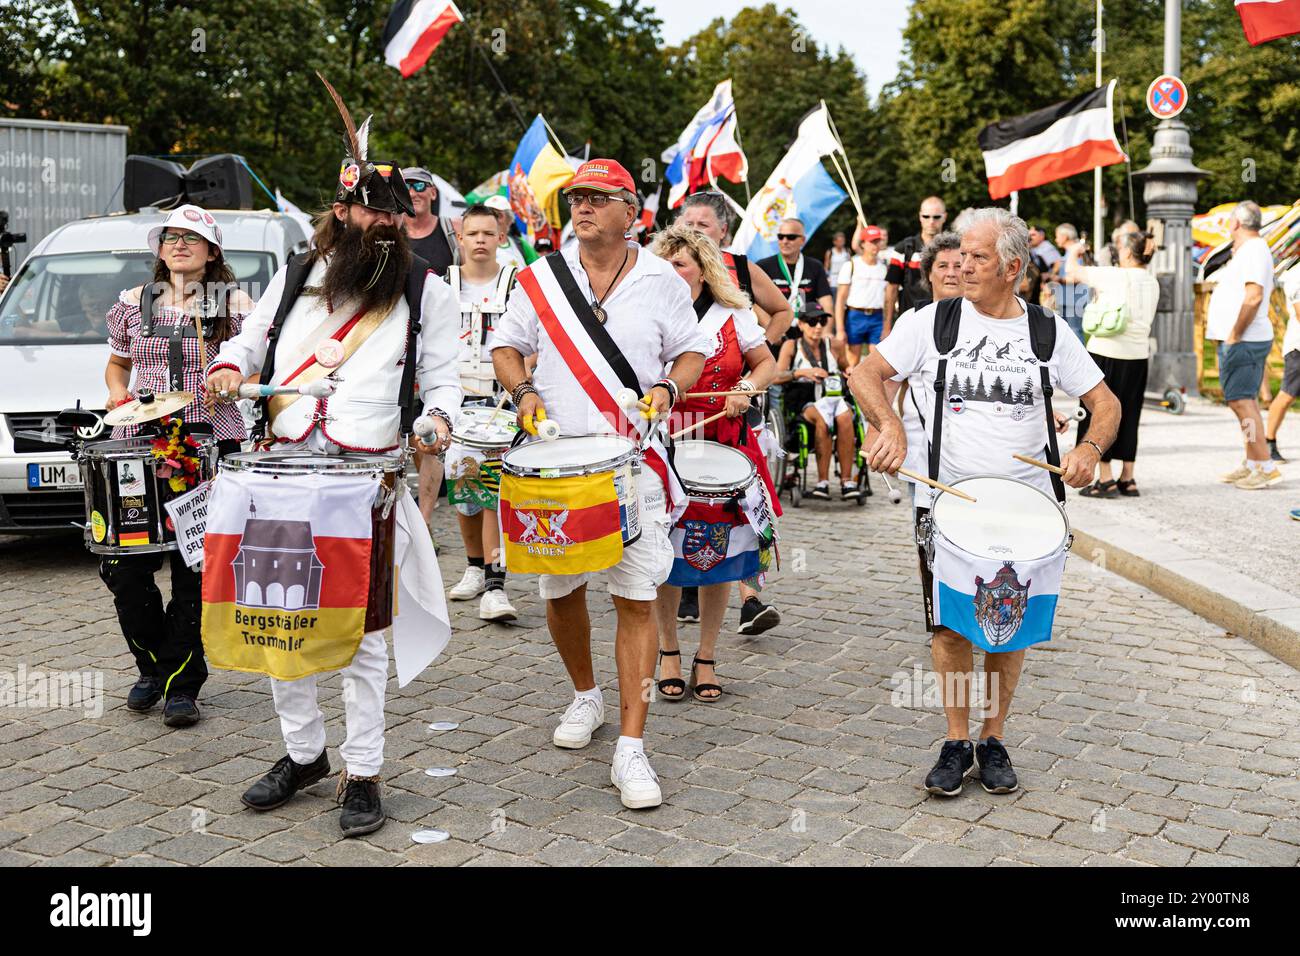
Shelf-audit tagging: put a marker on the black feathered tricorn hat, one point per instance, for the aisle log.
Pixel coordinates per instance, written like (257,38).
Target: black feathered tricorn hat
(378,185)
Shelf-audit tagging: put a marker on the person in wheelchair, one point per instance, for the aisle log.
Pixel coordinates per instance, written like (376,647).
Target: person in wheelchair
(815,395)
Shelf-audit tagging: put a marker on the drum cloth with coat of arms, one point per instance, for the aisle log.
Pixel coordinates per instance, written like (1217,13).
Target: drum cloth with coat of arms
(996,563)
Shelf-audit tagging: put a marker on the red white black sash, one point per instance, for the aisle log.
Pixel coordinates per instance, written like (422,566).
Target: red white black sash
(594,359)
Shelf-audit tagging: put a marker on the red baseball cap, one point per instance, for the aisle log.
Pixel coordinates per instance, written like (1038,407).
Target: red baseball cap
(602,175)
(872,233)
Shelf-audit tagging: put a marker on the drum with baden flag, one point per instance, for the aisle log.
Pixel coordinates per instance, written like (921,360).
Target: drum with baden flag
(560,525)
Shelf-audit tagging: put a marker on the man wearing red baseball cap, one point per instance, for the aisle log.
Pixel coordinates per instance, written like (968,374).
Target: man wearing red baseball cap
(604,317)
(860,298)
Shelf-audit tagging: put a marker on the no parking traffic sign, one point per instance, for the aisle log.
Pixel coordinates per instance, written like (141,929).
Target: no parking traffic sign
(1166,96)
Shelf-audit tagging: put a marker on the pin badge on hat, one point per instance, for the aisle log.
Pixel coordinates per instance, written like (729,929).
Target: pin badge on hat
(349,175)
(330,353)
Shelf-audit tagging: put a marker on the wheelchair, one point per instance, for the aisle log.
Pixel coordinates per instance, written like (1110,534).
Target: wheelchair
(799,444)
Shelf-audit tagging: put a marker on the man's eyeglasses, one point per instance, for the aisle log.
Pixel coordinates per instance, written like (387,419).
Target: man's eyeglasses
(171,238)
(597,200)
(940,216)
(789,236)
(419,187)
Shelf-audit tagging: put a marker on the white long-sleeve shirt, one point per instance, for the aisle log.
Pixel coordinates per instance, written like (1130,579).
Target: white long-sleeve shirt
(364,412)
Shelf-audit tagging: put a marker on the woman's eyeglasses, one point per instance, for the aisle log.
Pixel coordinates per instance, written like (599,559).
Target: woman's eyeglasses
(418,187)
(171,238)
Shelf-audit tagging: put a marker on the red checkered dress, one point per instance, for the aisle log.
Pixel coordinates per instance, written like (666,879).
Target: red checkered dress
(149,360)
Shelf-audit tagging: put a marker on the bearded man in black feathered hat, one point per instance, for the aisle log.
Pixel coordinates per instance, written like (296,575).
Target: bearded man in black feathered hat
(361,310)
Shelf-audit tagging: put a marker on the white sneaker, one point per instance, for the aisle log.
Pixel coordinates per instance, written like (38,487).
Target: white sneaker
(584,715)
(471,585)
(638,784)
(495,606)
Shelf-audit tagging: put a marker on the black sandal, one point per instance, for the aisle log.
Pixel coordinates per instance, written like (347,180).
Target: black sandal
(676,683)
(1128,488)
(696,688)
(1100,489)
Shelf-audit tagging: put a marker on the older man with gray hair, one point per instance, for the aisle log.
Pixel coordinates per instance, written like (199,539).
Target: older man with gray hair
(1013,350)
(1238,321)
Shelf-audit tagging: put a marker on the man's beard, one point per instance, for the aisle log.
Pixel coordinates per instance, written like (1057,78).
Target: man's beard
(360,271)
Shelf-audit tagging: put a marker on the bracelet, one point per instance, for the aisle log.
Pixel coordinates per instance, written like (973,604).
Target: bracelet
(1089,441)
(745,385)
(668,385)
(439,413)
(523,388)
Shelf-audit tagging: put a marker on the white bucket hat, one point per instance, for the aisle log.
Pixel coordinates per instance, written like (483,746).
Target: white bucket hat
(194,218)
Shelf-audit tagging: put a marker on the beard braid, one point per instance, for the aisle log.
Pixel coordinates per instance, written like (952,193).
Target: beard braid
(352,264)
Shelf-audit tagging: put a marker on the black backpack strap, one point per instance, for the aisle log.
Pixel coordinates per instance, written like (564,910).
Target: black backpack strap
(1042,340)
(947,323)
(742,274)
(295,279)
(148,292)
(415,280)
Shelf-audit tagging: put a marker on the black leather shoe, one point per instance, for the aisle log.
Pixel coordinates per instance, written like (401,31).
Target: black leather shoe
(180,711)
(146,692)
(996,773)
(285,779)
(363,812)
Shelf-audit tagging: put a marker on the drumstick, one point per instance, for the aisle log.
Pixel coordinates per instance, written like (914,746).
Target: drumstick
(500,405)
(689,428)
(1054,469)
(321,388)
(935,484)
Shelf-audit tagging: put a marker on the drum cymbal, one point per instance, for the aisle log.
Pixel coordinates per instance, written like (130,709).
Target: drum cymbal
(148,407)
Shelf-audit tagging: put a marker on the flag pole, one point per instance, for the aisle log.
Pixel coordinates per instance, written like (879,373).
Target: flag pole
(1099,44)
(559,145)
(850,183)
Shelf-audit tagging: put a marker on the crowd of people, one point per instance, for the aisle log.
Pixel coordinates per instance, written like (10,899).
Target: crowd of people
(854,347)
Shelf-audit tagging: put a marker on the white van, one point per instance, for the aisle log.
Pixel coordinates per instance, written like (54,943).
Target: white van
(54,344)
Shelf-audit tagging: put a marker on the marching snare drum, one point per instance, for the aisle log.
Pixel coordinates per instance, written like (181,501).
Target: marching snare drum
(710,470)
(484,429)
(583,456)
(125,495)
(291,465)
(997,562)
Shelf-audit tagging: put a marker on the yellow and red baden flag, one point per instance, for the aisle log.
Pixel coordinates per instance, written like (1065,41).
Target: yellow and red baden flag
(560,525)
(1265,20)
(1052,143)
(286,572)
(414,29)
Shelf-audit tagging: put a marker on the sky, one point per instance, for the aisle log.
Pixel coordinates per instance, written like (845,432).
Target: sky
(870,30)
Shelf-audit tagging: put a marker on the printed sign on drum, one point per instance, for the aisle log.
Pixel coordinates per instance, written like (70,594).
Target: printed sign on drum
(286,572)
(189,515)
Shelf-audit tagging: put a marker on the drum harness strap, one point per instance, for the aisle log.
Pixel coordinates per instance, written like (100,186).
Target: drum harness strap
(176,334)
(295,280)
(1042,340)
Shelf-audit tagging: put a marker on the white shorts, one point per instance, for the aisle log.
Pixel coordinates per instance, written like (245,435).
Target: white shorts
(831,407)
(645,564)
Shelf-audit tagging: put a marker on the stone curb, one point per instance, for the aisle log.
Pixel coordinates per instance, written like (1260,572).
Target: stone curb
(1265,616)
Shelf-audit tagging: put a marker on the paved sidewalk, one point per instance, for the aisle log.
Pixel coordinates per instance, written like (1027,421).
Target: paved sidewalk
(1227,554)
(1143,735)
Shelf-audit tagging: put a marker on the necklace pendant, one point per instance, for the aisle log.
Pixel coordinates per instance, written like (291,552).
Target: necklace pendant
(600,314)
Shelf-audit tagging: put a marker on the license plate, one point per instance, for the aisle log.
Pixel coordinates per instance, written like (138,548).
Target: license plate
(53,476)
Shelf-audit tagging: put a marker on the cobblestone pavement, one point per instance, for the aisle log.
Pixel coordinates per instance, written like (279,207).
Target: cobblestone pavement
(1143,735)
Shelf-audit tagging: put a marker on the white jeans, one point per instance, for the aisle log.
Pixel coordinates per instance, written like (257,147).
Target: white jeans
(303,724)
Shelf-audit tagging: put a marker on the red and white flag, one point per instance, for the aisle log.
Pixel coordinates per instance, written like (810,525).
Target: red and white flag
(1052,143)
(1265,20)
(414,29)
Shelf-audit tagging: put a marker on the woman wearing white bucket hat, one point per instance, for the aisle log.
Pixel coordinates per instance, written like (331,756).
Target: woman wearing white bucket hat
(152,335)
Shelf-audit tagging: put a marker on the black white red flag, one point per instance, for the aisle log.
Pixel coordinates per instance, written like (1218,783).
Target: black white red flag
(414,29)
(1052,143)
